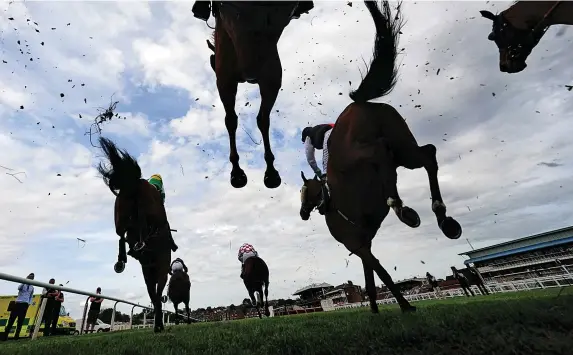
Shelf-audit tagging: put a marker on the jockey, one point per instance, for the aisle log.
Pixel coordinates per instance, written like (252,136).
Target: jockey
(178,265)
(246,251)
(201,9)
(317,138)
(157,181)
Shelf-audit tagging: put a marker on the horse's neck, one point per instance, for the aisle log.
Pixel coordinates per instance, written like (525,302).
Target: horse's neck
(527,14)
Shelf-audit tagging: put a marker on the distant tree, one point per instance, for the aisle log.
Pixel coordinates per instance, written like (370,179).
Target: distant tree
(232,307)
(105,316)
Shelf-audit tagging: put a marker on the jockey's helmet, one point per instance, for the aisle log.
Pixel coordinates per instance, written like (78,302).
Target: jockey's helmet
(156,176)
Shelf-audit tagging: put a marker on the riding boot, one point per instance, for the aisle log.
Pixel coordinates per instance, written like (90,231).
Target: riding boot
(201,9)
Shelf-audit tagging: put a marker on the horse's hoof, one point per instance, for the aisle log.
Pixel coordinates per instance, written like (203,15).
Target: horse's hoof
(451,228)
(409,217)
(409,309)
(119,267)
(272,178)
(164,299)
(238,179)
(267,313)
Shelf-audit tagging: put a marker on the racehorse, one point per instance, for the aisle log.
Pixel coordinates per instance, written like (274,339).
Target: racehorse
(367,144)
(140,220)
(246,37)
(179,291)
(256,276)
(471,278)
(518,29)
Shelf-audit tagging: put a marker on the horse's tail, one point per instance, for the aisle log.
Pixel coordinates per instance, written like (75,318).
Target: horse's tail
(124,171)
(382,74)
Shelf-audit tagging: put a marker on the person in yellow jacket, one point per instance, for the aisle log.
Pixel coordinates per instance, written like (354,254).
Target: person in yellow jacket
(157,181)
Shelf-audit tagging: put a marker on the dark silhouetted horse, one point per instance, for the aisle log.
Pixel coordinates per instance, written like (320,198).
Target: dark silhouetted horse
(179,291)
(246,38)
(255,277)
(468,277)
(140,220)
(368,143)
(518,29)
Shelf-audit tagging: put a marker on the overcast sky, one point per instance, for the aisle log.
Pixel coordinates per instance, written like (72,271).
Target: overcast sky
(502,141)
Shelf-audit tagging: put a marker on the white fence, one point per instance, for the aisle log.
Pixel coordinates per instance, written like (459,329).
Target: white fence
(40,315)
(500,287)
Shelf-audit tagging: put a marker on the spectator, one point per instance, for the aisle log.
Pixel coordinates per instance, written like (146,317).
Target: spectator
(93,313)
(50,295)
(59,299)
(19,308)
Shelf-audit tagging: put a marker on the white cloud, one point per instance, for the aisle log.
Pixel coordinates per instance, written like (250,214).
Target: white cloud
(153,58)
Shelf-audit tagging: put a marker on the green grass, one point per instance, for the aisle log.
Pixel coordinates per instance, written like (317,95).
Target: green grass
(534,322)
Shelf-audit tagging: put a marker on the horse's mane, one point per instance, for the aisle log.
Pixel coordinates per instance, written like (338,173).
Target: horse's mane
(381,75)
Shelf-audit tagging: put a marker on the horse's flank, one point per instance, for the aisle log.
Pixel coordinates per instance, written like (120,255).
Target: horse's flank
(526,14)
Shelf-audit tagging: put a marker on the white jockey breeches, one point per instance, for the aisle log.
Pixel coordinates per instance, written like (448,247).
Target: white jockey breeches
(177,266)
(325,151)
(249,255)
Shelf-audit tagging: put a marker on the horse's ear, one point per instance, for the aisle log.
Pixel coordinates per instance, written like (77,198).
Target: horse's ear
(487,14)
(302,176)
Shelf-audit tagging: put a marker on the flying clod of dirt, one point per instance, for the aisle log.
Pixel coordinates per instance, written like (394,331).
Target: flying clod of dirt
(104,115)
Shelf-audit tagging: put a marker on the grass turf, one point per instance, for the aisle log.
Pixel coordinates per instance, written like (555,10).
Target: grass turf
(533,322)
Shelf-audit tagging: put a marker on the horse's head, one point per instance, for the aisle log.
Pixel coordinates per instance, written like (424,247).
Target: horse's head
(514,44)
(310,195)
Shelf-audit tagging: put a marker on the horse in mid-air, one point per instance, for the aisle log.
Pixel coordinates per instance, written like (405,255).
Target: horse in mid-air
(255,277)
(368,143)
(246,49)
(519,28)
(179,288)
(140,220)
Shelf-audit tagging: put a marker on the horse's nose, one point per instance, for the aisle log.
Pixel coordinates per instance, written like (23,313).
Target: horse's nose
(503,67)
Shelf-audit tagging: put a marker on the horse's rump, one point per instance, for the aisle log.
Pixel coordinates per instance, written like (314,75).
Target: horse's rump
(179,287)
(256,271)
(254,27)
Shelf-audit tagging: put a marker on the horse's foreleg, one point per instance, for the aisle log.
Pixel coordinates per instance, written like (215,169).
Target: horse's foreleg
(370,286)
(161,282)
(121,257)
(370,260)
(387,165)
(270,82)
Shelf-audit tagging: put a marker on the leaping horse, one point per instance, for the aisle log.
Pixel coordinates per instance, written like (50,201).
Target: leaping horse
(518,29)
(246,37)
(140,220)
(256,276)
(368,143)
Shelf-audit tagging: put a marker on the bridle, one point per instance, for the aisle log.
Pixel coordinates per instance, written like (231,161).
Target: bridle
(527,39)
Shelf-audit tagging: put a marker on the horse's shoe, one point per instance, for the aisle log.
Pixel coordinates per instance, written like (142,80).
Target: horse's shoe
(238,178)
(119,267)
(201,10)
(408,216)
(451,228)
(272,178)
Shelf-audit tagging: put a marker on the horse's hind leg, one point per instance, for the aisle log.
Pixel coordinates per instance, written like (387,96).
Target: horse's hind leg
(188,312)
(176,313)
(415,157)
(226,70)
(270,81)
(370,260)
(267,312)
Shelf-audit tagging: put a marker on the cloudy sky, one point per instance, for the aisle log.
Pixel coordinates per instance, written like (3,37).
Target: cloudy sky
(502,141)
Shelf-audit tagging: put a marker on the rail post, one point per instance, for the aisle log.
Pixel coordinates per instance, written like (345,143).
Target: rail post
(39,317)
(84,316)
(113,317)
(131,318)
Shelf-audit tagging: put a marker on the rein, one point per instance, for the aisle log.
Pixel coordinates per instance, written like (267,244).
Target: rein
(541,24)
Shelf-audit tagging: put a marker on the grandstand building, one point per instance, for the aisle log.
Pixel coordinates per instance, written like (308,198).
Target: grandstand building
(545,254)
